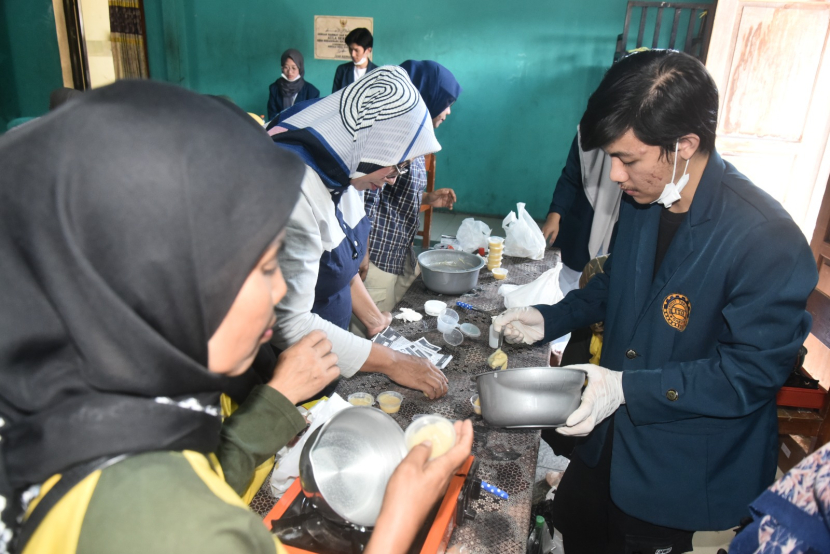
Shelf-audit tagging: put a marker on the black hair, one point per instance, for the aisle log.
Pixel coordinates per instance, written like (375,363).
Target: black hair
(360,36)
(661,95)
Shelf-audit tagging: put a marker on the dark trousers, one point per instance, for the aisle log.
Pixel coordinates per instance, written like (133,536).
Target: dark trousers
(591,523)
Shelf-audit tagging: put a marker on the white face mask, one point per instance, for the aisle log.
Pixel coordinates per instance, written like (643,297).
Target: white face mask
(671,192)
(291,80)
(361,62)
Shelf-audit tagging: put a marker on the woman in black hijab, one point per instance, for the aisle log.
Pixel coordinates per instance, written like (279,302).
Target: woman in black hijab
(138,238)
(291,87)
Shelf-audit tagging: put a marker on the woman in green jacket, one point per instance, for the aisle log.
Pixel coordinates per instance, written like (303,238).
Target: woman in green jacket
(139,239)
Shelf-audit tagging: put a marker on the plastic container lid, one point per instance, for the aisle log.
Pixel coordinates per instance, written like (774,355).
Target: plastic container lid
(434,307)
(453,337)
(449,314)
(470,330)
(434,428)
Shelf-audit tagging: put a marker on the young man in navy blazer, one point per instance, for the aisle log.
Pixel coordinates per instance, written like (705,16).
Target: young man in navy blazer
(703,301)
(360,43)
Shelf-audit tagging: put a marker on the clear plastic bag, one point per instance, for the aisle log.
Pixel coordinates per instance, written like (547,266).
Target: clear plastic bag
(473,235)
(544,290)
(524,237)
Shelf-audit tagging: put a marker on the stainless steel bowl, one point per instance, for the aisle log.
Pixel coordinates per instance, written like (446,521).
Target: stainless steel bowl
(449,271)
(346,464)
(530,396)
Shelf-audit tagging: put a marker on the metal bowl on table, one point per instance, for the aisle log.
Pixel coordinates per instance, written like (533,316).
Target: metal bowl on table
(347,462)
(450,271)
(530,396)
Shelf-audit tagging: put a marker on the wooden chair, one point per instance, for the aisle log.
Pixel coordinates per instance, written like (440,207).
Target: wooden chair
(812,423)
(429,159)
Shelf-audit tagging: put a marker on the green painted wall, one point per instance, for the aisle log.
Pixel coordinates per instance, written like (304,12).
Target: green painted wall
(30,65)
(527,68)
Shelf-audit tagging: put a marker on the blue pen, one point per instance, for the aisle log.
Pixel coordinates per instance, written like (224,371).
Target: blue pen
(495,491)
(466,306)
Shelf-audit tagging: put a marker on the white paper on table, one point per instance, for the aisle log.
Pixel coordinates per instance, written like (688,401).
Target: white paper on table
(288,459)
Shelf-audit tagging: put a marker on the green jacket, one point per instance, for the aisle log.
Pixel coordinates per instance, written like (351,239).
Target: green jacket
(175,502)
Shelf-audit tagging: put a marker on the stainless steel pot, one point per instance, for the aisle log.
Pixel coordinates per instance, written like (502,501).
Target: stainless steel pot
(346,464)
(449,271)
(530,396)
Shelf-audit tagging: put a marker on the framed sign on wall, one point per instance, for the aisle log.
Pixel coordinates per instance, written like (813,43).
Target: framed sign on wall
(331,30)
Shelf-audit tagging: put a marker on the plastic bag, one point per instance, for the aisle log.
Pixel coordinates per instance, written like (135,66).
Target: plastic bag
(544,290)
(524,237)
(473,235)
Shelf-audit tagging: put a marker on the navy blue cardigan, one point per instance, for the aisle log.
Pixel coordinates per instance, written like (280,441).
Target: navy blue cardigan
(275,99)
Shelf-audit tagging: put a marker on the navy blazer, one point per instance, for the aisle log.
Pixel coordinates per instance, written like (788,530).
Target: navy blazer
(275,106)
(704,348)
(344,76)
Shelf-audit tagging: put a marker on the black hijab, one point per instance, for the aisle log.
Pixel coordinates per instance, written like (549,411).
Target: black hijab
(290,88)
(127,227)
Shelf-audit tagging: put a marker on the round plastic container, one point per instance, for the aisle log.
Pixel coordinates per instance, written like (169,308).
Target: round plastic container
(434,428)
(499,273)
(361,399)
(434,307)
(476,404)
(470,330)
(390,401)
(447,320)
(495,242)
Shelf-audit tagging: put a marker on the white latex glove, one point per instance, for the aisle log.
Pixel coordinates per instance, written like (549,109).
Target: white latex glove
(525,325)
(602,397)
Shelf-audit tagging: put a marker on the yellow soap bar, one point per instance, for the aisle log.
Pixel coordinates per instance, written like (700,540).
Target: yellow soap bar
(441,437)
(497,360)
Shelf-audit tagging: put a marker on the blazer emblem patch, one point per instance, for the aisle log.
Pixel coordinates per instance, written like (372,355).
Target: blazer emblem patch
(676,310)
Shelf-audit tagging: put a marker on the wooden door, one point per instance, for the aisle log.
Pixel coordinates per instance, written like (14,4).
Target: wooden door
(772,65)
(821,244)
(818,353)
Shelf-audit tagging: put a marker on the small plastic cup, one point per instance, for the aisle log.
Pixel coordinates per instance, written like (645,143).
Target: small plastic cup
(493,265)
(499,273)
(390,401)
(361,399)
(495,242)
(447,320)
(476,404)
(434,428)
